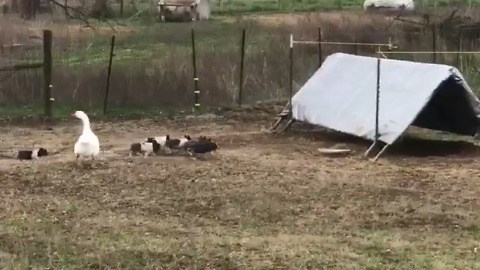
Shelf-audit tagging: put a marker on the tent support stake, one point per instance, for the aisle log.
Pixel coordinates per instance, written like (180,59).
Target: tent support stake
(370,149)
(287,126)
(277,123)
(282,116)
(380,153)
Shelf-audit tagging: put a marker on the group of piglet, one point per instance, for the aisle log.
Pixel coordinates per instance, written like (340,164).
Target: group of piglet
(168,145)
(88,145)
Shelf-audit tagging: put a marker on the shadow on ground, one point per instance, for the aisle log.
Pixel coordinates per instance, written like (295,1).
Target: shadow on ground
(420,147)
(407,146)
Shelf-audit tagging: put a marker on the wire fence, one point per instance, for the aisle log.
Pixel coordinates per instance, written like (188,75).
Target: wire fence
(116,74)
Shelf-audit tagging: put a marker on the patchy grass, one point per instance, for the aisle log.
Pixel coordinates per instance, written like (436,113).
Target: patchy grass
(142,11)
(233,7)
(250,207)
(65,111)
(143,43)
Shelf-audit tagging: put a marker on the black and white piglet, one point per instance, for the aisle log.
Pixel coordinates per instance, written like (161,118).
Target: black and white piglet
(176,143)
(32,154)
(147,148)
(202,147)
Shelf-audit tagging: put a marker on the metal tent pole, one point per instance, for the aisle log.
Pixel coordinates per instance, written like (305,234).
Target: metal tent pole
(377,112)
(381,152)
(369,149)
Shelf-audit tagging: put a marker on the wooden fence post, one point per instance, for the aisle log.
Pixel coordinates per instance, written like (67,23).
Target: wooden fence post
(290,77)
(121,8)
(109,73)
(47,72)
(195,78)
(242,60)
(320,57)
(434,43)
(460,49)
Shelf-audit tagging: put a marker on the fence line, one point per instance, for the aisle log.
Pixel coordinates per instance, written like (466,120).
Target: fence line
(18,67)
(389,45)
(292,54)
(46,64)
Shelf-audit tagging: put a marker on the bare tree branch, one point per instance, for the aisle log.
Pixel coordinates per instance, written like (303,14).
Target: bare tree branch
(78,14)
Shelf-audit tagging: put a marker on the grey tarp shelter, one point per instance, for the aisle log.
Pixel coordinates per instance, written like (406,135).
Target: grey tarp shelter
(341,96)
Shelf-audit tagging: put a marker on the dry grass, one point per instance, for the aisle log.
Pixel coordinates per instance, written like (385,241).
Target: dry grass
(155,60)
(264,202)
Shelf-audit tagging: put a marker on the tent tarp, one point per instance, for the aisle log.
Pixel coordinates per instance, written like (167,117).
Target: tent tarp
(341,95)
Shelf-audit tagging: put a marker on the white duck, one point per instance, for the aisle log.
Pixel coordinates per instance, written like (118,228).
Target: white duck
(87,144)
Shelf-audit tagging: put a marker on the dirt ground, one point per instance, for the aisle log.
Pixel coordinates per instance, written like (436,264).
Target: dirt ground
(263,202)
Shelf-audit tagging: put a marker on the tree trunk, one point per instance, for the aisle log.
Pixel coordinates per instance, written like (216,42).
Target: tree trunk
(14,5)
(27,9)
(99,9)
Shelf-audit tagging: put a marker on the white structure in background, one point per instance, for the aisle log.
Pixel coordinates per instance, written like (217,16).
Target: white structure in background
(407,5)
(183,10)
